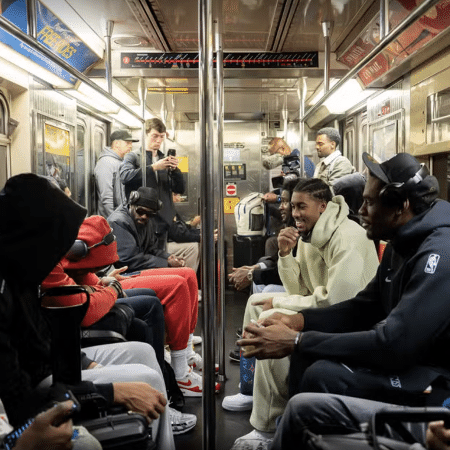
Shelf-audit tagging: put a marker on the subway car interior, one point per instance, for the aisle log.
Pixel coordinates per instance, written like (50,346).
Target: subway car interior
(226,77)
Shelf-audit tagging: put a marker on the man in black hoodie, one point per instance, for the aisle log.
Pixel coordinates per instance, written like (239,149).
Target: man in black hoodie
(39,224)
(388,342)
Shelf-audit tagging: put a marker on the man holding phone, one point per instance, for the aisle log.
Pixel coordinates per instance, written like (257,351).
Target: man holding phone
(163,175)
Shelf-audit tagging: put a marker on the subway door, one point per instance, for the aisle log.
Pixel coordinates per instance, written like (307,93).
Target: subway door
(91,139)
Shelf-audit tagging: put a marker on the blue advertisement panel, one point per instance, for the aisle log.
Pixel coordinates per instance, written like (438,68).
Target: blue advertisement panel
(16,12)
(57,37)
(52,33)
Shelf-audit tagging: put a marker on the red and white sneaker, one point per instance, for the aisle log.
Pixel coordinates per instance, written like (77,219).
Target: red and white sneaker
(196,362)
(192,386)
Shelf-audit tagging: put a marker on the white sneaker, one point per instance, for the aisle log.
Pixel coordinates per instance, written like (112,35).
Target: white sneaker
(196,340)
(238,402)
(181,423)
(255,440)
(196,362)
(191,385)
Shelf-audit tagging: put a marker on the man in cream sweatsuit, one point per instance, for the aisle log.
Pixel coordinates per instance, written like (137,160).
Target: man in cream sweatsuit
(334,261)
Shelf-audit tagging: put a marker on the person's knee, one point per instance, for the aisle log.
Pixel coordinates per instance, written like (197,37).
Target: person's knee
(322,376)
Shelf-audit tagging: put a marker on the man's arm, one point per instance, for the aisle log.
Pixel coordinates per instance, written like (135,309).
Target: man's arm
(176,181)
(130,169)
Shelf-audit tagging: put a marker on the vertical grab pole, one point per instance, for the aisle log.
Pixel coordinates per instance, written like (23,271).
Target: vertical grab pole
(32,18)
(109,31)
(301,132)
(206,108)
(220,214)
(142,89)
(326,29)
(384,19)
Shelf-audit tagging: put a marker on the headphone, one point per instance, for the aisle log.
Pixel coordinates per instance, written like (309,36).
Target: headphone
(80,249)
(396,193)
(134,197)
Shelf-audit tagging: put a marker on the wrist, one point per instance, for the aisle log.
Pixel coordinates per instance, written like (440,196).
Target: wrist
(298,339)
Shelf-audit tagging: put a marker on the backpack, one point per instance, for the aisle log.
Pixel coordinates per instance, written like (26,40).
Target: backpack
(250,216)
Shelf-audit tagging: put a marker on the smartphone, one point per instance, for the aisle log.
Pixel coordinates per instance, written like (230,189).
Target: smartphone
(76,407)
(171,152)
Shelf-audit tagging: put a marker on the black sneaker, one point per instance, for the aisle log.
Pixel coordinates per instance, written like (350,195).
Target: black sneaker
(235,354)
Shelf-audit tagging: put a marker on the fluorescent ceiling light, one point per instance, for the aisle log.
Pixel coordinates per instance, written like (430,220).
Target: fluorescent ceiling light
(91,97)
(347,96)
(128,119)
(118,92)
(13,57)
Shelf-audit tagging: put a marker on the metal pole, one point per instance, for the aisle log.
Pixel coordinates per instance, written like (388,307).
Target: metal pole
(384,18)
(206,100)
(302,89)
(19,34)
(221,263)
(326,29)
(402,26)
(32,18)
(142,89)
(108,70)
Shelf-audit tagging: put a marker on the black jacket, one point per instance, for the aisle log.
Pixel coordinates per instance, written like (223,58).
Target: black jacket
(138,248)
(39,224)
(402,318)
(164,182)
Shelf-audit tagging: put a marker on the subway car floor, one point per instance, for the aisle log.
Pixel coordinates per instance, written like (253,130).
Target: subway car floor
(229,425)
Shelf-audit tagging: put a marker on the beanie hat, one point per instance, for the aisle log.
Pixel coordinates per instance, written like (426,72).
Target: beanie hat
(92,231)
(147,197)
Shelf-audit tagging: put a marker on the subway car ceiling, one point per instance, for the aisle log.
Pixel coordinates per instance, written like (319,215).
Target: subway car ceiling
(272,51)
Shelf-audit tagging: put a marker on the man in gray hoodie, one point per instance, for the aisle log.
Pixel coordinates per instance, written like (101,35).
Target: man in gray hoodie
(110,190)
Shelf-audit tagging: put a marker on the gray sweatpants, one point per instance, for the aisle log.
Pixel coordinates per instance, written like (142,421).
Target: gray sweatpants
(130,361)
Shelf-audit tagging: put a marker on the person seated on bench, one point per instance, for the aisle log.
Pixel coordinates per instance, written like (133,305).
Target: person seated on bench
(334,260)
(387,342)
(176,288)
(39,227)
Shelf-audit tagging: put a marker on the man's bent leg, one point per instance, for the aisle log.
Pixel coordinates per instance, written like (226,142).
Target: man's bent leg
(270,389)
(321,414)
(270,392)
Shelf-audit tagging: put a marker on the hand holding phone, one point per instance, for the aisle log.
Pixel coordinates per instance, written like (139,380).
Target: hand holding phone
(46,429)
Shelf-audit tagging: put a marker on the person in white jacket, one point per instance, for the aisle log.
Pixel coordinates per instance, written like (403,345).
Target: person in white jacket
(334,260)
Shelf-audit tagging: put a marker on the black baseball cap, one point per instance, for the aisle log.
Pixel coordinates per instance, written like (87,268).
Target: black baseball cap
(402,168)
(399,169)
(122,135)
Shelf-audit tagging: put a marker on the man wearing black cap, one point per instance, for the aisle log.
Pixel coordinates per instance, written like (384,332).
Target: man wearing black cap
(137,243)
(390,341)
(110,190)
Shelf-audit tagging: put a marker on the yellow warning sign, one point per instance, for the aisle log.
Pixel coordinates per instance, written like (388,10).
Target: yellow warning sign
(183,163)
(229,204)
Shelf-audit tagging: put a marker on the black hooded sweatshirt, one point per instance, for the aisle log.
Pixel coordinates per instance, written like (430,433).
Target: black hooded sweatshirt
(38,225)
(401,321)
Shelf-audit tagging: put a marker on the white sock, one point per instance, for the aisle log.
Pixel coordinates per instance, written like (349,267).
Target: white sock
(179,363)
(190,345)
